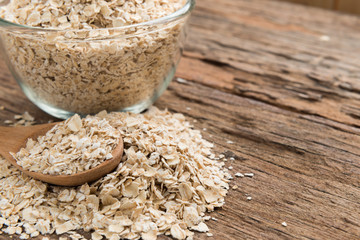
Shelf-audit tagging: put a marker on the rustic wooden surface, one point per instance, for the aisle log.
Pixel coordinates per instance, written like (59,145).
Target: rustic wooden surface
(348,6)
(282,82)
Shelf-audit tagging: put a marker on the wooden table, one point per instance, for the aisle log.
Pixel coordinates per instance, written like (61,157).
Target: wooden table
(282,82)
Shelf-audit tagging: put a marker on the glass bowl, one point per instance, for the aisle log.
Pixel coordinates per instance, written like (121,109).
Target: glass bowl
(86,71)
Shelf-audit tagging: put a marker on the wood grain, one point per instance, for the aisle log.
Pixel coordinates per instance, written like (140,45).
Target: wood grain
(329,4)
(350,6)
(267,79)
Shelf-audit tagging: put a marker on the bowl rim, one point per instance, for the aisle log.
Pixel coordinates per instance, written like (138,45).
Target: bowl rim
(182,12)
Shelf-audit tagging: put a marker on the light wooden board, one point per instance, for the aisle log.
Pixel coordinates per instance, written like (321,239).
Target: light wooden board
(264,78)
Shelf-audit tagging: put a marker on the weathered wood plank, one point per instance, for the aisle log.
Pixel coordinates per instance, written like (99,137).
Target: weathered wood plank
(302,176)
(282,59)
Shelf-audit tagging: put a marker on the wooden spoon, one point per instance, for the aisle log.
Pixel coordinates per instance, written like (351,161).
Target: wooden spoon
(12,139)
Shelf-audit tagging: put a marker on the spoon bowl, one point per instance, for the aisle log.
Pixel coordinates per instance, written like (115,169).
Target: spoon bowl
(12,139)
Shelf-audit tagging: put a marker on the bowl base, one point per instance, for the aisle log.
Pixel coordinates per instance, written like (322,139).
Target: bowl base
(63,114)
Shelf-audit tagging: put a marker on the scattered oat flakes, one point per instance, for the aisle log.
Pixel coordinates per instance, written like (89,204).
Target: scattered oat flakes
(248,174)
(248,198)
(96,236)
(239,174)
(284,224)
(27,117)
(24,119)
(202,227)
(213,218)
(206,218)
(209,234)
(2,107)
(229,142)
(141,198)
(69,147)
(17,116)
(324,38)
(177,232)
(230,167)
(181,80)
(232,159)
(235,187)
(75,236)
(24,236)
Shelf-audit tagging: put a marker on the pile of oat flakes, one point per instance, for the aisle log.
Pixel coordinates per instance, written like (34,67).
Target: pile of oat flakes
(164,185)
(88,66)
(70,147)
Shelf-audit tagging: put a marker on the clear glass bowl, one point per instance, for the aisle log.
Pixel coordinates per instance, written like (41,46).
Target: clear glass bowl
(86,71)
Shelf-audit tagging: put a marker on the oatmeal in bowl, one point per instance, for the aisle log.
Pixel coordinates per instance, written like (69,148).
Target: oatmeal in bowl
(80,56)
